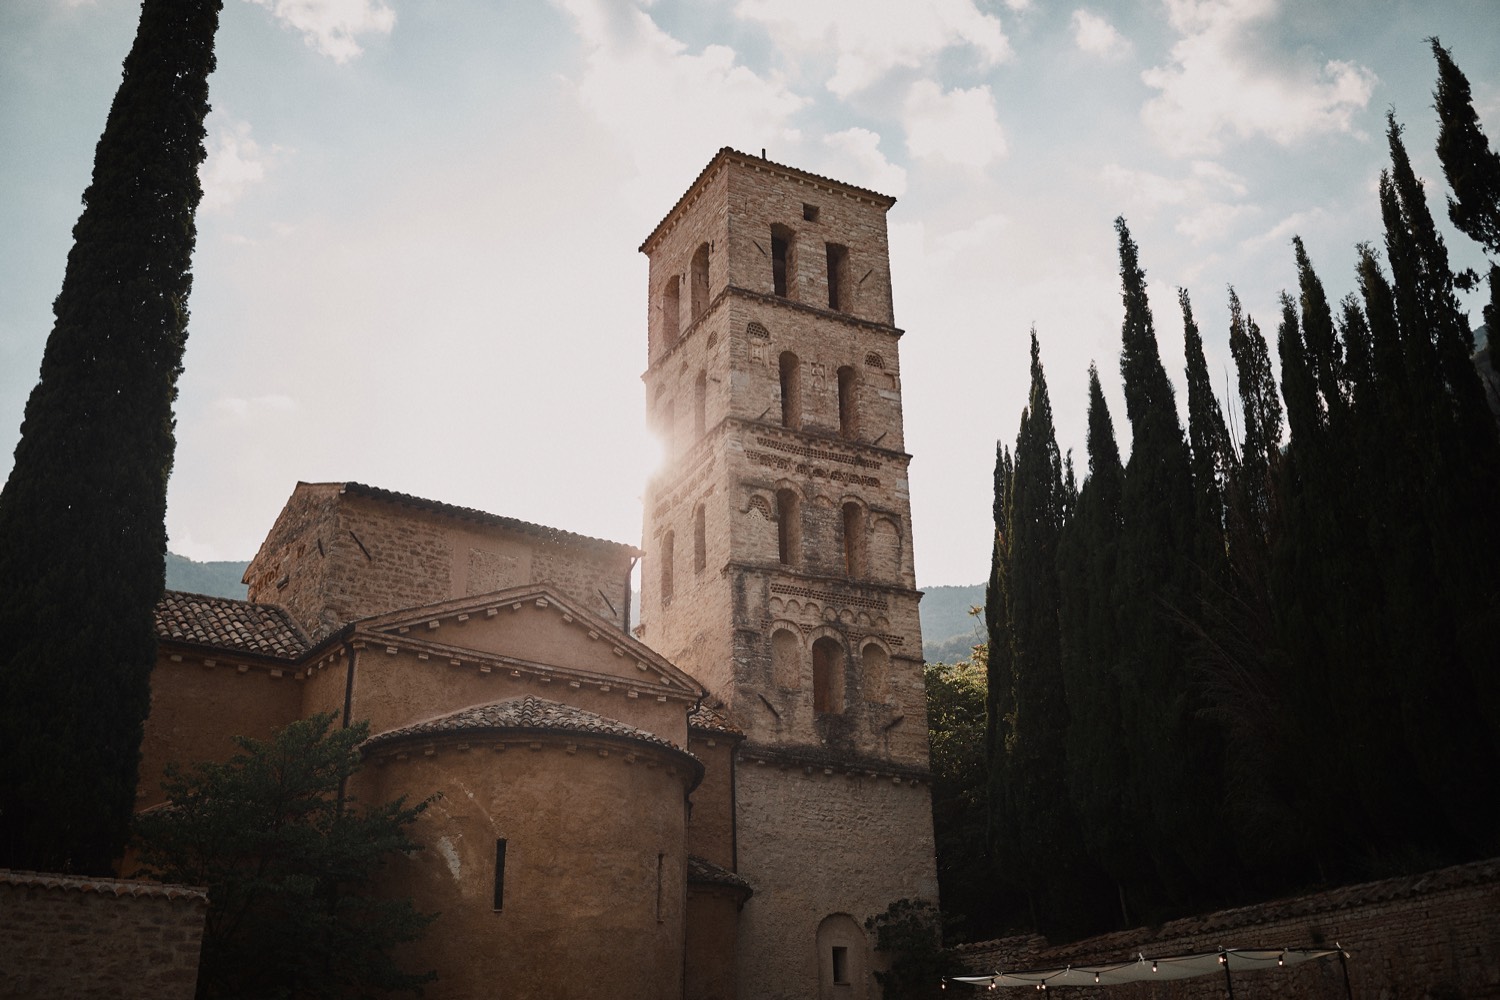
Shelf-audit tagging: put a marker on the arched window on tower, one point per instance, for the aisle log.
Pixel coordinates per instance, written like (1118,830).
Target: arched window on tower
(698,283)
(876,664)
(791,391)
(700,405)
(671,310)
(668,542)
(848,409)
(788,527)
(828,676)
(786,659)
(783,261)
(700,541)
(854,540)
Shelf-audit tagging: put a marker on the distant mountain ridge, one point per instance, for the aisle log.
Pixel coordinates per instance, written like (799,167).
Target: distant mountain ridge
(216,579)
(948,630)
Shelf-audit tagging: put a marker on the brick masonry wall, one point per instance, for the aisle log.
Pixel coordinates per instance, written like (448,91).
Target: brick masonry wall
(1435,935)
(98,938)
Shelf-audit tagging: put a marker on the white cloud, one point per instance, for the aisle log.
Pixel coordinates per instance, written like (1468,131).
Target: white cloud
(959,126)
(333,27)
(235,162)
(856,158)
(872,37)
(1093,33)
(1224,82)
(1281,233)
(669,107)
(1203,200)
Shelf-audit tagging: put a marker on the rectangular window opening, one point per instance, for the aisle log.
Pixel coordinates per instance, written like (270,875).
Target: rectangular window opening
(499,875)
(838,276)
(810,213)
(840,965)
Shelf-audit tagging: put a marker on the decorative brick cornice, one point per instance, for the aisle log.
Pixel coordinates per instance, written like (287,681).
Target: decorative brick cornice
(102,886)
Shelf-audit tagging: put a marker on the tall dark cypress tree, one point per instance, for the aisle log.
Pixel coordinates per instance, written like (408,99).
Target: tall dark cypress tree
(1098,762)
(82,535)
(1212,457)
(1047,832)
(1473,172)
(1000,715)
(1175,760)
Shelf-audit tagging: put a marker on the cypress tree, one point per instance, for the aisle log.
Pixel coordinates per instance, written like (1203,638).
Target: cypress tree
(1175,761)
(1472,168)
(1098,762)
(1037,755)
(1000,691)
(1212,456)
(82,536)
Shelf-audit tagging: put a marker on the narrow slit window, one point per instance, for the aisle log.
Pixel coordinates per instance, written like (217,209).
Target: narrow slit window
(700,405)
(671,310)
(848,411)
(700,541)
(791,391)
(698,283)
(828,677)
(667,542)
(788,527)
(783,261)
(854,541)
(661,861)
(838,276)
(499,874)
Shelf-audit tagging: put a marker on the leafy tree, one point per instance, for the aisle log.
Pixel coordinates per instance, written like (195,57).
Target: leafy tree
(289,861)
(82,535)
(910,932)
(956,737)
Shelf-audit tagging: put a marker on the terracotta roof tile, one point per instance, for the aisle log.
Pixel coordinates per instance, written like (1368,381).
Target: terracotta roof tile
(106,886)
(263,629)
(708,720)
(529,713)
(703,870)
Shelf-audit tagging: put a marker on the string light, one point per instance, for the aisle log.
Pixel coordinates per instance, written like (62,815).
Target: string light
(1153,965)
(1282,959)
(1096,978)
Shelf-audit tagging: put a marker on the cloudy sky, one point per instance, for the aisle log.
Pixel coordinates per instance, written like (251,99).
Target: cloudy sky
(417,262)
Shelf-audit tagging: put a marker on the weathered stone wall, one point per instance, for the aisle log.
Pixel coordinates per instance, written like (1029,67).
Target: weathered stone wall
(109,939)
(1425,936)
(594,893)
(710,829)
(334,557)
(818,841)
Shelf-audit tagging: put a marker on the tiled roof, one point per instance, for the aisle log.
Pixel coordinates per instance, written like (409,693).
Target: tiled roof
(263,629)
(794,755)
(729,152)
(529,713)
(107,886)
(471,514)
(704,718)
(703,870)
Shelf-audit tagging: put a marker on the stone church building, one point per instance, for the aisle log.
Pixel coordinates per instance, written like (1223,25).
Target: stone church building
(710,807)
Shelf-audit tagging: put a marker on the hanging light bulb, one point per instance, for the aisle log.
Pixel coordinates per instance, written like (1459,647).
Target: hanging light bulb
(1282,959)
(1096,978)
(1153,965)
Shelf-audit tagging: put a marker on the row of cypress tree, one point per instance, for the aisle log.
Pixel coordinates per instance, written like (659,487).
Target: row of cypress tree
(1241,664)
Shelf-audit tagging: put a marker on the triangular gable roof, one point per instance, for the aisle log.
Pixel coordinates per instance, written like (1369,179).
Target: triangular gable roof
(413,625)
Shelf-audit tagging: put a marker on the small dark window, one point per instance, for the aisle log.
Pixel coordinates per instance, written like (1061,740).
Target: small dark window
(499,874)
(810,213)
(840,965)
(838,276)
(783,261)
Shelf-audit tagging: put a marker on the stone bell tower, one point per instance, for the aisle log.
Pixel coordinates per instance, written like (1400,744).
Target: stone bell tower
(778,541)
